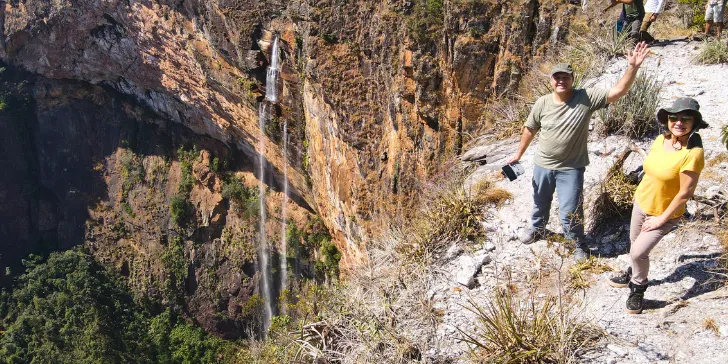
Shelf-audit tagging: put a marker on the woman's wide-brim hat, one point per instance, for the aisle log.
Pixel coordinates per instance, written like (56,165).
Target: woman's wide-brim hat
(681,105)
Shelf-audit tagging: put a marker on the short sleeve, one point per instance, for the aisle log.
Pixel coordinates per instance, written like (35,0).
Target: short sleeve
(657,143)
(534,118)
(597,98)
(694,162)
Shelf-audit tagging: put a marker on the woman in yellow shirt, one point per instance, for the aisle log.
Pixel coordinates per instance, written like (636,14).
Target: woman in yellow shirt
(671,168)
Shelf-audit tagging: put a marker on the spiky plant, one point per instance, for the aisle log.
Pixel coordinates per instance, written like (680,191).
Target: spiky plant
(712,52)
(510,329)
(634,114)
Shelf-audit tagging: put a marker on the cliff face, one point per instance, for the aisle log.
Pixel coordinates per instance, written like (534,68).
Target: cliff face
(84,163)
(376,95)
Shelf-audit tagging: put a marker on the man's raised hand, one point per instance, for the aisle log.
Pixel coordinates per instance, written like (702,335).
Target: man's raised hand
(638,55)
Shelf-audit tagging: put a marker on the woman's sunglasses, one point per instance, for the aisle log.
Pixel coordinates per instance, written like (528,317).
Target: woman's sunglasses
(686,119)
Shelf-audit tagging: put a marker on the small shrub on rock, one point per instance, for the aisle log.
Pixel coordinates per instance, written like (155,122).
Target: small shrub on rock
(180,209)
(244,197)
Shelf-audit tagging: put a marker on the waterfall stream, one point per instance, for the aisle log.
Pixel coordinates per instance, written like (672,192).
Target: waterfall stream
(264,115)
(283,251)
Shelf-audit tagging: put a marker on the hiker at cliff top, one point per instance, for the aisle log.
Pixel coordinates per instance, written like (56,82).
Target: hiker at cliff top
(653,8)
(671,170)
(561,155)
(633,12)
(714,14)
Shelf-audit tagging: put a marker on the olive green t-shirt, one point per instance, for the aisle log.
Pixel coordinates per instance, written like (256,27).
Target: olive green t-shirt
(564,128)
(634,11)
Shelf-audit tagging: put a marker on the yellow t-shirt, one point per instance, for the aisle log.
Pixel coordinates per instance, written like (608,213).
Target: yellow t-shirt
(661,181)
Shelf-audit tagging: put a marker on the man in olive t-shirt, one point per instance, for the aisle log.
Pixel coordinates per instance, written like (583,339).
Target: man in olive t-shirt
(560,160)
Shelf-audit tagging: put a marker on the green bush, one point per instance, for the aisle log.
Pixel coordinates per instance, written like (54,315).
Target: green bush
(315,232)
(634,114)
(724,135)
(132,171)
(329,38)
(175,265)
(180,209)
(329,267)
(426,21)
(293,239)
(186,159)
(693,12)
(245,198)
(712,52)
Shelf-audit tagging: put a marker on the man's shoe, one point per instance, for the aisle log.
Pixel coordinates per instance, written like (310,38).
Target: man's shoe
(529,235)
(636,295)
(622,280)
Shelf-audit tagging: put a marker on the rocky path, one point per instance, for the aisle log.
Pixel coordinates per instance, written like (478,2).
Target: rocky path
(686,319)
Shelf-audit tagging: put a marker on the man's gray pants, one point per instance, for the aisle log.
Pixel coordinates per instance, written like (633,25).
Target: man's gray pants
(569,185)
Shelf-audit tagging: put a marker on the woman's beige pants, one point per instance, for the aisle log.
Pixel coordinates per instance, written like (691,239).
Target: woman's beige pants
(643,242)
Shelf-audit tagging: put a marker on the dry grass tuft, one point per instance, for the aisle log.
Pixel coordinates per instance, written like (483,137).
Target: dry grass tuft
(593,265)
(710,324)
(382,314)
(527,330)
(448,212)
(508,115)
(712,52)
(486,193)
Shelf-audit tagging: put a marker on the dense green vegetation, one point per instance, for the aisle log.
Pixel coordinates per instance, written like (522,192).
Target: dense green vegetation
(69,309)
(180,208)
(245,198)
(426,20)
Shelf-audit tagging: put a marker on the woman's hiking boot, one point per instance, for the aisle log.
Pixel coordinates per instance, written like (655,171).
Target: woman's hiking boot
(636,295)
(622,280)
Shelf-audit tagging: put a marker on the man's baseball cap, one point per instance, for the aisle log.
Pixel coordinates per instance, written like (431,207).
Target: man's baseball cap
(563,68)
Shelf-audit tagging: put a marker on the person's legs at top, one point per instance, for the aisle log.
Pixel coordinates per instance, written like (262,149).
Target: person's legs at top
(544,186)
(709,15)
(634,29)
(719,29)
(646,22)
(718,18)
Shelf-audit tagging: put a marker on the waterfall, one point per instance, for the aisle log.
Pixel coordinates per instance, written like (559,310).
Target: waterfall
(283,252)
(271,77)
(264,111)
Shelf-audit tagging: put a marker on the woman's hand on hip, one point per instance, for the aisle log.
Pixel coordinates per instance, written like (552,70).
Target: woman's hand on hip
(653,222)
